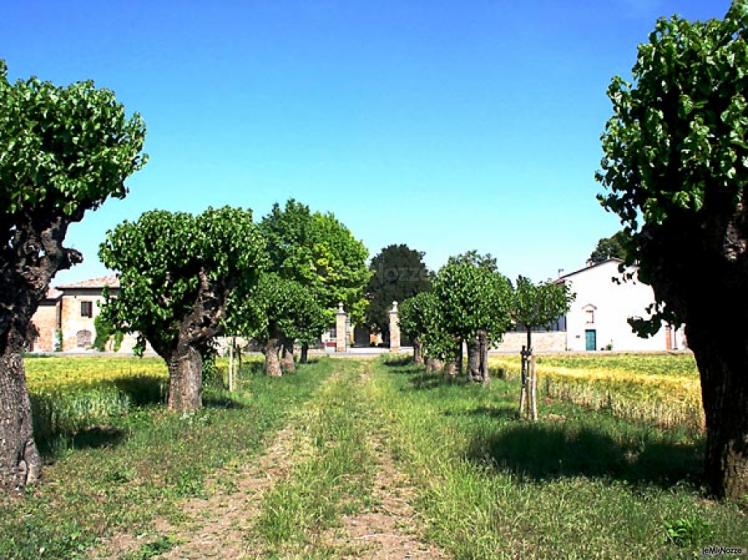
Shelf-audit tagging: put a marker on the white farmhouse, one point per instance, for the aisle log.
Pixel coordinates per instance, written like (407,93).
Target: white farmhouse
(598,318)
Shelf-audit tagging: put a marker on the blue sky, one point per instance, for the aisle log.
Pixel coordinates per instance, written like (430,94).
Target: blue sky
(444,125)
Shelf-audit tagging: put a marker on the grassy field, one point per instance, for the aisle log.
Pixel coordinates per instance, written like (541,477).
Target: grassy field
(115,458)
(580,483)
(584,482)
(660,389)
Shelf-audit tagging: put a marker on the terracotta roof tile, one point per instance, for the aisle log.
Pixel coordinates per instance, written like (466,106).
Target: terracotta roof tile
(110,281)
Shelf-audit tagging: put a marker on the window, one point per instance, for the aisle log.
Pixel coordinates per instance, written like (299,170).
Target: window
(86,309)
(590,314)
(83,339)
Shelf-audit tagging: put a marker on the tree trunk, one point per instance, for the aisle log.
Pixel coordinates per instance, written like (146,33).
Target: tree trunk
(417,353)
(473,352)
(288,365)
(460,358)
(185,379)
(485,375)
(272,360)
(723,365)
(533,389)
(450,370)
(20,463)
(304,358)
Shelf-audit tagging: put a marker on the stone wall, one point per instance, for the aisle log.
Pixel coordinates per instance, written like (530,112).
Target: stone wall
(542,342)
(45,321)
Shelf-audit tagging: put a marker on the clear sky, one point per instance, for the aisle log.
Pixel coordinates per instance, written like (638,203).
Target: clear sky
(444,125)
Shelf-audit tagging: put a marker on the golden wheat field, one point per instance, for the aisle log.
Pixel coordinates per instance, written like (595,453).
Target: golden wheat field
(663,389)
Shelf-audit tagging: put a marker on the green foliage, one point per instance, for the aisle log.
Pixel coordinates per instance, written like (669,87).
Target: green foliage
(676,158)
(104,332)
(278,306)
(398,274)
(539,305)
(688,531)
(613,247)
(474,258)
(414,314)
(421,318)
(321,254)
(472,297)
(170,261)
(63,150)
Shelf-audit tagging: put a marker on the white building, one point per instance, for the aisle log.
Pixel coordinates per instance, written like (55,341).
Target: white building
(598,318)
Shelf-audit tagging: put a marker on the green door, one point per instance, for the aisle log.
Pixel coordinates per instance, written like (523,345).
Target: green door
(591,340)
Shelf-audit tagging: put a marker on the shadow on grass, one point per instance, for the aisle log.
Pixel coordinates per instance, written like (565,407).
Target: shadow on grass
(221,401)
(426,381)
(90,438)
(142,391)
(539,452)
(400,361)
(504,412)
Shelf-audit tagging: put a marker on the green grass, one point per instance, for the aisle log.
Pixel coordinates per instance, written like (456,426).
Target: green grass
(119,475)
(333,476)
(578,484)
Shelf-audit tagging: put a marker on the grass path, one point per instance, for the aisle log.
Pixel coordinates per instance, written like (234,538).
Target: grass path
(326,487)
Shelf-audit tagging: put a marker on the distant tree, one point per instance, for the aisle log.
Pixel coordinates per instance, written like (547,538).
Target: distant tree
(474,258)
(178,274)
(676,169)
(63,151)
(414,323)
(537,305)
(474,307)
(105,332)
(398,273)
(613,247)
(278,313)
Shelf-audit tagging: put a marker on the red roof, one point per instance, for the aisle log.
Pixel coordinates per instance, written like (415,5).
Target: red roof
(110,281)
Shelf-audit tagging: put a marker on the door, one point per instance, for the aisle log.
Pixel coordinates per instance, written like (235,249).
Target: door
(590,336)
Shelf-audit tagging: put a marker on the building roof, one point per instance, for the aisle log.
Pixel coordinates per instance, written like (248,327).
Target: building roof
(588,267)
(53,294)
(110,281)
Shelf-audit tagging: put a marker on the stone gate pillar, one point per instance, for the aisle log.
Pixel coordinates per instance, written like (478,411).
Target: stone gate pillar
(394,329)
(341,329)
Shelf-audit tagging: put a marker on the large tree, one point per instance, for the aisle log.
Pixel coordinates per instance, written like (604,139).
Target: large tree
(178,273)
(613,247)
(676,173)
(475,303)
(320,253)
(398,273)
(534,306)
(63,151)
(414,322)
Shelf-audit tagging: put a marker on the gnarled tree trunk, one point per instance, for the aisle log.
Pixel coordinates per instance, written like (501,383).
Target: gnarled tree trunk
(185,379)
(722,358)
(304,357)
(473,352)
(288,365)
(272,358)
(485,376)
(20,463)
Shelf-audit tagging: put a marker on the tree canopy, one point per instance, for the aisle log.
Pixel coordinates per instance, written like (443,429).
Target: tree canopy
(675,170)
(320,253)
(398,273)
(539,305)
(613,247)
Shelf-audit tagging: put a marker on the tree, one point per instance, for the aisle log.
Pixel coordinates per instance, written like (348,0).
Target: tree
(63,151)
(277,314)
(613,247)
(398,273)
(675,170)
(536,305)
(414,321)
(178,274)
(474,307)
(320,253)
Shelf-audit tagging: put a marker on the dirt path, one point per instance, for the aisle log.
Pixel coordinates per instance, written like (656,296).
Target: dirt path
(221,526)
(390,528)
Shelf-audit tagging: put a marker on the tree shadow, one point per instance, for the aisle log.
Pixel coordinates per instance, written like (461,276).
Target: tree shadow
(542,452)
(142,391)
(95,437)
(400,361)
(503,412)
(221,401)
